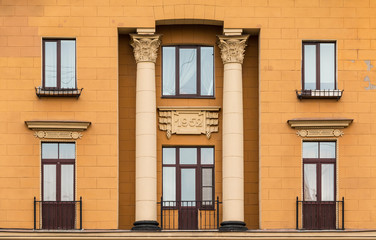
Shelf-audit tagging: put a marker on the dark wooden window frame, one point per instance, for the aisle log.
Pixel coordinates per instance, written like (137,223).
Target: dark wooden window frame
(198,73)
(58,162)
(198,168)
(317,44)
(58,65)
(319,161)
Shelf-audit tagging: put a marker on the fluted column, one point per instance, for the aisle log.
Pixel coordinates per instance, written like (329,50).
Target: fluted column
(145,47)
(232,53)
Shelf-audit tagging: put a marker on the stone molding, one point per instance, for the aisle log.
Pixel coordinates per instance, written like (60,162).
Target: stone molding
(316,127)
(232,48)
(58,129)
(188,120)
(145,47)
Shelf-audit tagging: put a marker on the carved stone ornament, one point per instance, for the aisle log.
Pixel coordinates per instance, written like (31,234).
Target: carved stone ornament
(304,133)
(57,135)
(188,120)
(232,48)
(145,47)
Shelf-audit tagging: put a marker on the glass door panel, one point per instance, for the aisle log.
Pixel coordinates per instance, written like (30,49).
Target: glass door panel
(327,182)
(310,186)
(188,186)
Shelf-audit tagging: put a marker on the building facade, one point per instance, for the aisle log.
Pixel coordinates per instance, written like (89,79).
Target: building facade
(168,119)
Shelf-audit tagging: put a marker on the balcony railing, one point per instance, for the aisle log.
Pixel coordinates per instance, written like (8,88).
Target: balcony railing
(319,94)
(61,215)
(189,215)
(45,92)
(320,215)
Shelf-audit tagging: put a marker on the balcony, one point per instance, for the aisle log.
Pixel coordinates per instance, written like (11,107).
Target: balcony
(320,215)
(189,215)
(319,94)
(42,92)
(58,215)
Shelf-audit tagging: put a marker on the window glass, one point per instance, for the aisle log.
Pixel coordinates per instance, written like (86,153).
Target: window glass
(327,182)
(207,155)
(327,150)
(168,71)
(68,64)
(67,182)
(188,186)
(309,67)
(188,71)
(67,151)
(49,182)
(169,184)
(207,72)
(207,177)
(188,155)
(207,195)
(169,155)
(49,150)
(327,67)
(50,64)
(310,187)
(310,149)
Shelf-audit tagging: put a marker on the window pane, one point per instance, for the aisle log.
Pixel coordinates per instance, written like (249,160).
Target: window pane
(188,71)
(49,150)
(168,70)
(207,195)
(169,155)
(188,186)
(188,156)
(68,64)
(50,64)
(207,71)
(327,73)
(310,149)
(327,182)
(67,182)
(327,150)
(310,187)
(67,151)
(309,67)
(49,182)
(169,185)
(207,177)
(207,155)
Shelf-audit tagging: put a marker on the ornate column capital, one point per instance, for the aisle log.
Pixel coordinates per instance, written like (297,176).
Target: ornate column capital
(232,48)
(145,47)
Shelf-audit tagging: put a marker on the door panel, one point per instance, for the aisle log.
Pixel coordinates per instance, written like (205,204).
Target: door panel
(188,211)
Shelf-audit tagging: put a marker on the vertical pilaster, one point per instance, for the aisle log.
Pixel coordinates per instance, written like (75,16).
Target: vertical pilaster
(232,53)
(145,52)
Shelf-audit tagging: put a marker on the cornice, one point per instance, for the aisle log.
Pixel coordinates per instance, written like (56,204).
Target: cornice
(58,125)
(309,123)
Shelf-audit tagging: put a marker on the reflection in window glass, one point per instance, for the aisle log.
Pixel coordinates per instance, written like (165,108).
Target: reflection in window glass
(169,187)
(309,67)
(67,182)
(67,151)
(327,150)
(188,186)
(310,149)
(169,155)
(49,182)
(207,72)
(327,67)
(188,155)
(168,71)
(68,64)
(50,64)
(207,155)
(327,182)
(310,188)
(187,71)
(49,150)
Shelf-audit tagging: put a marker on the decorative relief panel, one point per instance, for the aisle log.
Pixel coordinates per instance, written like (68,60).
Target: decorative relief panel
(320,133)
(57,135)
(188,120)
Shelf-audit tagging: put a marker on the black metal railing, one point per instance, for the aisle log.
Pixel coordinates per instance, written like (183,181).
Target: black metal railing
(317,94)
(48,92)
(189,215)
(63,215)
(319,215)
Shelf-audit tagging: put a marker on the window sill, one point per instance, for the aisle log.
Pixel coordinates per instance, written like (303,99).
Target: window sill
(319,94)
(40,92)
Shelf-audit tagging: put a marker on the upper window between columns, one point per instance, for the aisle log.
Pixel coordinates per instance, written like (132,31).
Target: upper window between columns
(188,71)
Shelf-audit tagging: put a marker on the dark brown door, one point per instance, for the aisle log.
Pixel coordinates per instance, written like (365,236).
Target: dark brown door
(58,206)
(319,205)
(188,209)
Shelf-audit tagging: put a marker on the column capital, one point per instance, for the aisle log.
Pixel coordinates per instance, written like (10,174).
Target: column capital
(232,48)
(145,47)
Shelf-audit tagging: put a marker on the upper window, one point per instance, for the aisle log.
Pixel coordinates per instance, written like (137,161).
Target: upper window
(59,64)
(188,71)
(319,66)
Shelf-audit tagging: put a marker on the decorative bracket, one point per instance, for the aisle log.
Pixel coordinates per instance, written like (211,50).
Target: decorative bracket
(188,120)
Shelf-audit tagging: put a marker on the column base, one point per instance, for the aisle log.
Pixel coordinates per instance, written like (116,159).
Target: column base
(233,226)
(146,226)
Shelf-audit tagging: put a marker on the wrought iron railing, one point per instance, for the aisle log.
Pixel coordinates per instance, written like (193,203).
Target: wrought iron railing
(189,215)
(48,92)
(320,215)
(63,215)
(317,94)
